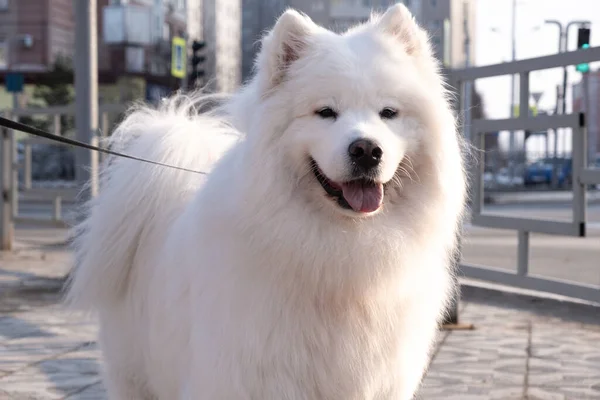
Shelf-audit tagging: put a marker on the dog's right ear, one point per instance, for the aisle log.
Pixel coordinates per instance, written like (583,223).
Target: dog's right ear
(283,45)
(398,22)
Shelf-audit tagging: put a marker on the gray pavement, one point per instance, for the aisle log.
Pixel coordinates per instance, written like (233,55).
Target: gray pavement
(522,347)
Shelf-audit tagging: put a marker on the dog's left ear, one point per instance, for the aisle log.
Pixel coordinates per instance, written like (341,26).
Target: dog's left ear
(400,23)
(284,45)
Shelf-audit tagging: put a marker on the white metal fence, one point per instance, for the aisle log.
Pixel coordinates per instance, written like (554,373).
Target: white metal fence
(10,166)
(582,174)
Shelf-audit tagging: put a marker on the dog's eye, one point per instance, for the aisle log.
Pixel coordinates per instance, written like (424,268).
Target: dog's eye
(388,113)
(326,112)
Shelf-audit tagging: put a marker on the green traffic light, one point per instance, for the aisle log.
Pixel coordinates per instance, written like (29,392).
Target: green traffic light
(583,68)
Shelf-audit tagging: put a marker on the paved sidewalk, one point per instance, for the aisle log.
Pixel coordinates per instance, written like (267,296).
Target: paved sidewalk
(521,348)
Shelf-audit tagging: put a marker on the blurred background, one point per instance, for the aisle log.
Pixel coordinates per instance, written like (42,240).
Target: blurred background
(73,67)
(214,42)
(147,49)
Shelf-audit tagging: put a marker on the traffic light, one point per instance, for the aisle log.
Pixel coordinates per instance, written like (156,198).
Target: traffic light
(583,42)
(197,60)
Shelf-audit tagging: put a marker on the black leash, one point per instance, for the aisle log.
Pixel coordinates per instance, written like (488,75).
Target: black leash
(76,143)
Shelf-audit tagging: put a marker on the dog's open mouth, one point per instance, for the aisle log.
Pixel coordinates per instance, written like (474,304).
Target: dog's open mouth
(360,195)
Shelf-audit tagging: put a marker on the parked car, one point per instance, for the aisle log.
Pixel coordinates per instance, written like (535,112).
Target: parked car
(504,179)
(542,172)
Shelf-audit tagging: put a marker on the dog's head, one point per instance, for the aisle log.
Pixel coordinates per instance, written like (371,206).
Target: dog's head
(349,112)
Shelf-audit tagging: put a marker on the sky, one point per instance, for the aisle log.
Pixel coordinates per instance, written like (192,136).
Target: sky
(534,38)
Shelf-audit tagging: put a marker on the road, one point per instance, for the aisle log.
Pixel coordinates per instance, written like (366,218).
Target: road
(568,258)
(574,259)
(42,210)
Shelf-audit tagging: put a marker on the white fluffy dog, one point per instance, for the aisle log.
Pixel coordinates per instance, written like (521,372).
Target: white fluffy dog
(314,260)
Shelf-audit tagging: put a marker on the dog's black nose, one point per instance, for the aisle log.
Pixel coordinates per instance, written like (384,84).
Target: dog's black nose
(366,154)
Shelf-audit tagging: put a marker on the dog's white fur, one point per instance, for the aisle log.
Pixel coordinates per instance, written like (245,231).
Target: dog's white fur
(250,283)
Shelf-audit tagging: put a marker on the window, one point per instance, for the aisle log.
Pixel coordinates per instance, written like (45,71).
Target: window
(3,5)
(346,2)
(3,53)
(317,6)
(435,26)
(176,5)
(166,32)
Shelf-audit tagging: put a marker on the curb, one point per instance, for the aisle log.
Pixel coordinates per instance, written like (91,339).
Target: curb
(538,198)
(475,290)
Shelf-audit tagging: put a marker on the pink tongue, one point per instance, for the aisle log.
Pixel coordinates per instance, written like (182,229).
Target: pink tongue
(363,197)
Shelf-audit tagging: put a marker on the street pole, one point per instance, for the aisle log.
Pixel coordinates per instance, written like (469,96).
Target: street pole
(451,317)
(186,36)
(555,149)
(86,95)
(559,98)
(563,44)
(468,84)
(511,140)
(184,81)
(565,71)
(591,149)
(566,48)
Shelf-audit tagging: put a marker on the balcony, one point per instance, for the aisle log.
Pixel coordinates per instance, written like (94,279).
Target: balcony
(350,10)
(127,24)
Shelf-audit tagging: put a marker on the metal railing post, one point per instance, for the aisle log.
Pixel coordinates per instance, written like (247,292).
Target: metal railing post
(57,208)
(104,127)
(57,125)
(452,314)
(14,185)
(578,164)
(6,211)
(582,175)
(523,253)
(27,166)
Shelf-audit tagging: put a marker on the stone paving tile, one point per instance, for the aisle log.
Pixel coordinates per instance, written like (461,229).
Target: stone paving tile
(49,322)
(57,377)
(485,363)
(522,348)
(549,393)
(92,392)
(19,354)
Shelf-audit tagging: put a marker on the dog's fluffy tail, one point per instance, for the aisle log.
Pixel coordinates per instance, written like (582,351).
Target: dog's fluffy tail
(134,196)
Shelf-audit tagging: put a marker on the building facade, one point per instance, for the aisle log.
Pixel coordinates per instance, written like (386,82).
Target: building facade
(33,34)
(345,13)
(259,15)
(134,41)
(222,31)
(448,22)
(445,20)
